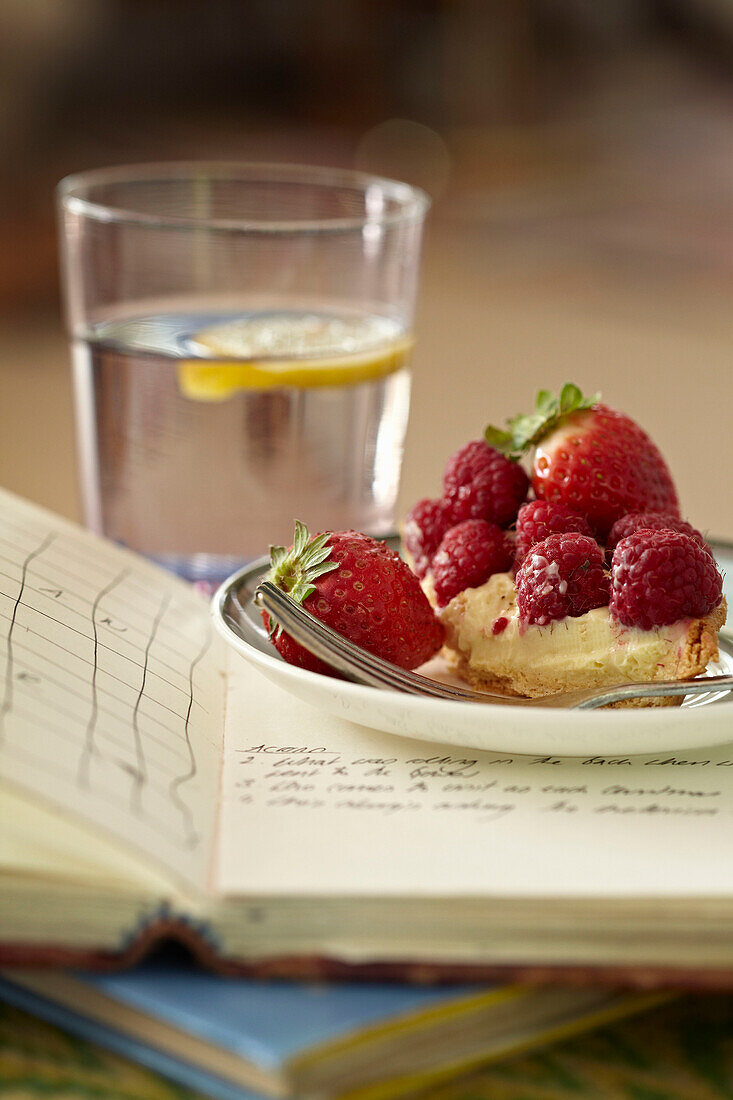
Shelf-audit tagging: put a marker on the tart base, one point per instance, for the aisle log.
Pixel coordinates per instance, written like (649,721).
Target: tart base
(696,648)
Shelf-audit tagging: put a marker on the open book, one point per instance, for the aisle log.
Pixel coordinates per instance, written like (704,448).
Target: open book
(153,784)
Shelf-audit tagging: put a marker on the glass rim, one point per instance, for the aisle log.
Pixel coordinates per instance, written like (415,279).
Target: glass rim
(72,194)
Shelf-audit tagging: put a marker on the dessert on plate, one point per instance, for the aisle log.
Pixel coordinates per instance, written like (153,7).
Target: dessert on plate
(576,571)
(594,580)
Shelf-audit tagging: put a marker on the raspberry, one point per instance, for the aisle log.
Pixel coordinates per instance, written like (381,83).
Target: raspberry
(480,483)
(539,519)
(652,521)
(562,575)
(660,577)
(424,526)
(468,555)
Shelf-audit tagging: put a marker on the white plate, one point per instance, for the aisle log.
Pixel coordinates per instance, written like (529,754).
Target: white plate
(705,720)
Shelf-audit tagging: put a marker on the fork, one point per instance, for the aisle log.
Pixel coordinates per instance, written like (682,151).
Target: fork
(362,667)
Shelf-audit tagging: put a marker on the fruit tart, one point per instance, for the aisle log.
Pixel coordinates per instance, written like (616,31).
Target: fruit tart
(595,580)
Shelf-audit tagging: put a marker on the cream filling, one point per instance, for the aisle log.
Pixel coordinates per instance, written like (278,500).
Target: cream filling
(570,651)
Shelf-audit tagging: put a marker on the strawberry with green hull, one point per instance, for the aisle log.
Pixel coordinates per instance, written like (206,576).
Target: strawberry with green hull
(358,587)
(590,458)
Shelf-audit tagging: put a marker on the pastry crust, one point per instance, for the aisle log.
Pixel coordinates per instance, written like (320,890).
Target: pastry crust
(701,643)
(696,649)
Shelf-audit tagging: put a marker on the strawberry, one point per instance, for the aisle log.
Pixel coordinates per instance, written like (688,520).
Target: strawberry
(590,458)
(358,587)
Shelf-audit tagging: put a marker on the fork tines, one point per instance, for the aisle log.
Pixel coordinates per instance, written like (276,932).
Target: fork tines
(350,659)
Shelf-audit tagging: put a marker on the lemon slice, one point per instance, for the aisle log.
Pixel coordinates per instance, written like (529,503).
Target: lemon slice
(302,350)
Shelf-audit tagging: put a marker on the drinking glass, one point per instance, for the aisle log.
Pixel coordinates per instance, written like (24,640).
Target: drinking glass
(240,340)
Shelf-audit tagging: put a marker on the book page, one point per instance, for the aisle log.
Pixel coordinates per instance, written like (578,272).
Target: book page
(111,689)
(314,805)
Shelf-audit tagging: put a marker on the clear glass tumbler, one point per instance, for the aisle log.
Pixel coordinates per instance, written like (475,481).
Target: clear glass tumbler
(240,338)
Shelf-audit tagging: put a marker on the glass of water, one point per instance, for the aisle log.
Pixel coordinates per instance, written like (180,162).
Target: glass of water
(240,339)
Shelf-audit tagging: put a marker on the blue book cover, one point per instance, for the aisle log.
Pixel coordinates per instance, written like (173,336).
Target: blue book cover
(236,1039)
(266,1022)
(261,1022)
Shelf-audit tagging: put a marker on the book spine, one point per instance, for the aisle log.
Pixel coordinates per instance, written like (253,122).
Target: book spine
(178,924)
(201,945)
(159,927)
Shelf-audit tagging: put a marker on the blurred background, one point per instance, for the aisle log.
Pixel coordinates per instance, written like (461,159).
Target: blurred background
(579,154)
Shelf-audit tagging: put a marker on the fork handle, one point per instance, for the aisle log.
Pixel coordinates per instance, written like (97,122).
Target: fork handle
(601,697)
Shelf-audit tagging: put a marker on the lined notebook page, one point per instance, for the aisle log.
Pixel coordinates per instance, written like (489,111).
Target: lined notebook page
(111,689)
(329,807)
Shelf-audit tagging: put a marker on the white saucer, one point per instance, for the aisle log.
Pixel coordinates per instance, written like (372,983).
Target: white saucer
(704,720)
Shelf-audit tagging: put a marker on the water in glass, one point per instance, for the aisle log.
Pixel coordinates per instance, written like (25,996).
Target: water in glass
(202,436)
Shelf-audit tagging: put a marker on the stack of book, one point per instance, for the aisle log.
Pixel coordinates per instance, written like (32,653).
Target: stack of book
(237,1039)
